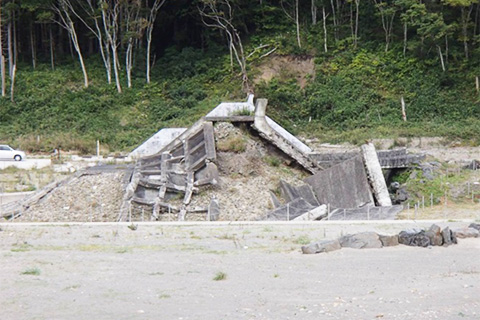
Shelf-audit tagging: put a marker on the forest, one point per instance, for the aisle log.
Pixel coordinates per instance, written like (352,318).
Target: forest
(77,71)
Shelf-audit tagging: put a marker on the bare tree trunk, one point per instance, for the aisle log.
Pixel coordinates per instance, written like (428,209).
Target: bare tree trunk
(52,50)
(150,25)
(15,50)
(64,14)
(12,83)
(441,58)
(357,5)
(110,25)
(404,112)
(477,84)
(335,23)
(32,46)
(2,57)
(324,30)
(10,47)
(314,12)
(297,22)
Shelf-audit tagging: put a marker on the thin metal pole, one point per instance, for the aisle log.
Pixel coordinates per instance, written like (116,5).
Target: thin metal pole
(288,211)
(344,214)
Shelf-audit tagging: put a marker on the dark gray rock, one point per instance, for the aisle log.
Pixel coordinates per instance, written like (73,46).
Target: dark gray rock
(466,233)
(475,226)
(414,238)
(389,241)
(291,193)
(448,237)
(435,235)
(474,165)
(401,195)
(321,246)
(361,240)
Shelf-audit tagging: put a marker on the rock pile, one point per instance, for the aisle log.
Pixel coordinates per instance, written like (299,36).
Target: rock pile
(434,236)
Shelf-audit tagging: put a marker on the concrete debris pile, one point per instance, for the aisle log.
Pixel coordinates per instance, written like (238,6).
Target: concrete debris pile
(83,197)
(434,236)
(352,188)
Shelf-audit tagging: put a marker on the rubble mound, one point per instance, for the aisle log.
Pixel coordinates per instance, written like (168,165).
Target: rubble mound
(249,170)
(88,197)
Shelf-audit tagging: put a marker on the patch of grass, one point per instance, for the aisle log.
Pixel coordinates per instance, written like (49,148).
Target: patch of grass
(243,112)
(235,144)
(272,161)
(24,247)
(72,287)
(303,240)
(220,276)
(32,271)
(123,250)
(276,275)
(164,296)
(156,274)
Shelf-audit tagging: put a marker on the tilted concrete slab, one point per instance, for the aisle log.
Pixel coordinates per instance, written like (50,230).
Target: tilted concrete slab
(290,211)
(342,186)
(156,142)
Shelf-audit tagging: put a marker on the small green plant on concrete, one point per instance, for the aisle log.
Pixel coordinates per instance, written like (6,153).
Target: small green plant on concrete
(220,276)
(32,271)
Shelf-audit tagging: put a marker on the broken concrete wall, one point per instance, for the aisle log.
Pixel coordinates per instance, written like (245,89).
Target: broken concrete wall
(155,143)
(342,186)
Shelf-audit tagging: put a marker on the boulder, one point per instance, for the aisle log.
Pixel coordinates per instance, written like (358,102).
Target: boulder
(448,237)
(466,233)
(414,238)
(321,246)
(435,235)
(475,226)
(361,240)
(389,241)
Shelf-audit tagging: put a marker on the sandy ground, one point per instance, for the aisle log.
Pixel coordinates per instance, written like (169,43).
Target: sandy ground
(166,271)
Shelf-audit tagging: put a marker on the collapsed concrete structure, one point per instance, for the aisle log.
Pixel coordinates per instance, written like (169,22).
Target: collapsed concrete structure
(347,186)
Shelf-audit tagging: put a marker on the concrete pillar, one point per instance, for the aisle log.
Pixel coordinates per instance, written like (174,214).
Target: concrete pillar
(375,175)
(260,121)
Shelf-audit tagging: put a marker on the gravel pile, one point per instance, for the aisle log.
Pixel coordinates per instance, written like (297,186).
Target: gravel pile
(92,197)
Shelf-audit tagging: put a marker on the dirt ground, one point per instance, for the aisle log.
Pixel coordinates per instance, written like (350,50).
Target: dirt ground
(168,271)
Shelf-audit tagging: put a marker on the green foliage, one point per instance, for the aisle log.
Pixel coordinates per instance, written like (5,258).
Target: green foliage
(220,276)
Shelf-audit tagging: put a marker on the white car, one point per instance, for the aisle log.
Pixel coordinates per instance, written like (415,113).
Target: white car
(7,152)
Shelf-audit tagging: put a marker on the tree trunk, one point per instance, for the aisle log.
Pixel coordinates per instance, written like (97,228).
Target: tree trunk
(334,17)
(324,30)
(10,47)
(297,22)
(32,46)
(2,58)
(314,12)
(12,83)
(357,6)
(441,58)
(52,50)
